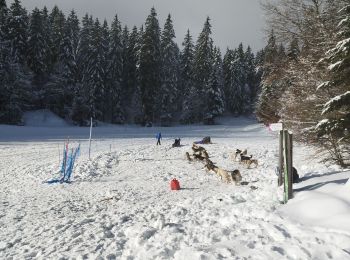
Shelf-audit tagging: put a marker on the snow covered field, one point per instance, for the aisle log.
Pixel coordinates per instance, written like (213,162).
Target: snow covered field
(120,206)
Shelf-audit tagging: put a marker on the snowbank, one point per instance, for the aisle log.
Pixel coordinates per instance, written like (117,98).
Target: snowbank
(120,205)
(321,199)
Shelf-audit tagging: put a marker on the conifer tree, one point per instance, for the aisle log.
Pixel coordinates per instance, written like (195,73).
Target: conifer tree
(37,51)
(334,128)
(168,92)
(239,81)
(95,84)
(57,24)
(102,103)
(84,47)
(251,81)
(14,89)
(63,80)
(150,67)
(17,31)
(115,69)
(203,60)
(81,110)
(6,73)
(228,76)
(3,20)
(69,50)
(131,70)
(47,35)
(187,82)
(268,104)
(258,67)
(126,92)
(215,105)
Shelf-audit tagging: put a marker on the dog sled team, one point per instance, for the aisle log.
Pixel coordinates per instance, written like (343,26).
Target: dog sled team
(200,154)
(244,159)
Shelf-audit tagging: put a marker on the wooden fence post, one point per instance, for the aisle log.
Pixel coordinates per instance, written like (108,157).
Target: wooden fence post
(290,166)
(280,159)
(285,165)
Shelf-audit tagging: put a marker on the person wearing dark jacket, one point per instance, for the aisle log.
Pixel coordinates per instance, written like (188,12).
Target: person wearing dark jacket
(158,137)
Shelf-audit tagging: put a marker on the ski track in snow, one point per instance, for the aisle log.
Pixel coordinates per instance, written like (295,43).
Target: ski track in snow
(119,205)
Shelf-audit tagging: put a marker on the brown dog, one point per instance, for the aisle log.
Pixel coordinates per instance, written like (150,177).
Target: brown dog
(245,158)
(236,176)
(228,176)
(188,157)
(250,162)
(209,165)
(198,149)
(238,152)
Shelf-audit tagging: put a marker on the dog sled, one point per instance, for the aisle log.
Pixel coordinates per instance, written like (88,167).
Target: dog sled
(205,140)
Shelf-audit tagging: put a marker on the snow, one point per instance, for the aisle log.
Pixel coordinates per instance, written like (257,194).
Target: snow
(328,197)
(120,206)
(334,65)
(43,118)
(335,100)
(323,85)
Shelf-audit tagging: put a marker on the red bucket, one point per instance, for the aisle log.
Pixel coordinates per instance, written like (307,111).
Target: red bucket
(174,185)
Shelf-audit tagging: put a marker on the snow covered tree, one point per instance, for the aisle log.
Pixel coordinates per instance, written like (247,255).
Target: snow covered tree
(170,66)
(17,30)
(239,81)
(126,92)
(252,81)
(150,67)
(273,85)
(38,46)
(215,105)
(228,76)
(84,46)
(95,79)
(62,87)
(55,89)
(7,75)
(69,49)
(3,20)
(81,105)
(115,69)
(203,60)
(258,64)
(57,25)
(47,35)
(334,127)
(14,88)
(188,90)
(131,65)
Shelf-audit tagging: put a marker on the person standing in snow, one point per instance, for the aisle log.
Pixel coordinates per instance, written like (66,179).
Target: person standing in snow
(159,136)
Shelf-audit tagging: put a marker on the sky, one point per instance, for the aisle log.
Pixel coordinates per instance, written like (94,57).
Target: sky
(233,21)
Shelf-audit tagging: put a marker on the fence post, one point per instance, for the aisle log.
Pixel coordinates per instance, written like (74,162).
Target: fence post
(280,160)
(90,137)
(290,166)
(285,168)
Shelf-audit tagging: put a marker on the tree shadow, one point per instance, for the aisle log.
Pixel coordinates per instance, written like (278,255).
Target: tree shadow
(320,184)
(308,177)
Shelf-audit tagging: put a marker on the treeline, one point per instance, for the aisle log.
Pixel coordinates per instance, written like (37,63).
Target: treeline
(91,69)
(306,70)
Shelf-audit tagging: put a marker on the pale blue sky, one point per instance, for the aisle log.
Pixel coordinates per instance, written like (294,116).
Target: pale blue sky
(233,21)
